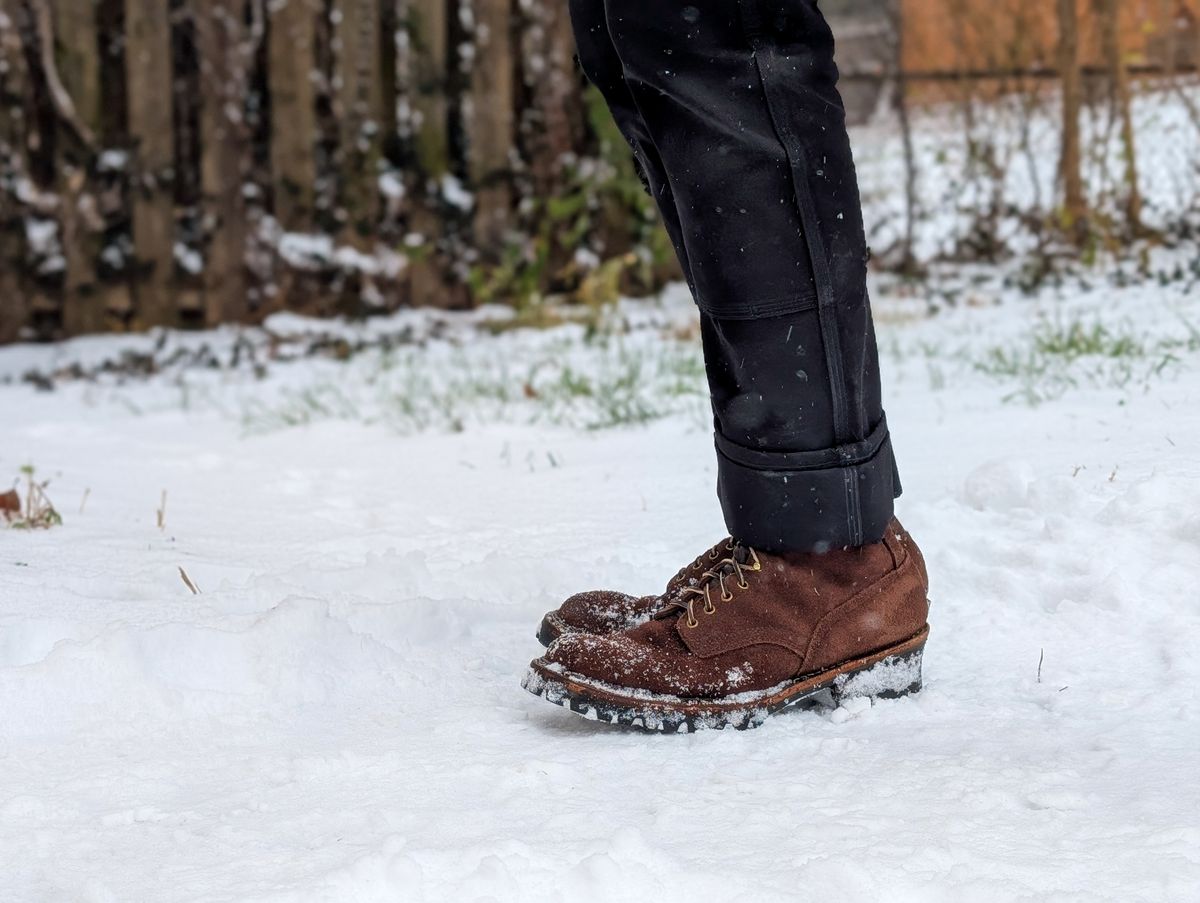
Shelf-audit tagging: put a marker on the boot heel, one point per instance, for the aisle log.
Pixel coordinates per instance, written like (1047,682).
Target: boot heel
(889,678)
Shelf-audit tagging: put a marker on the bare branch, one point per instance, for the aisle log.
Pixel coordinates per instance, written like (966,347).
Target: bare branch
(64,105)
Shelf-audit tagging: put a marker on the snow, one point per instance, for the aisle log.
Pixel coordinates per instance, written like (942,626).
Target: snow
(338,715)
(43,240)
(305,251)
(456,195)
(375,534)
(313,252)
(189,260)
(112,160)
(1022,136)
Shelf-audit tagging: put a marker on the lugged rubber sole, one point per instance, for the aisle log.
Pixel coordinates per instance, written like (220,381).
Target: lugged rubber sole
(887,674)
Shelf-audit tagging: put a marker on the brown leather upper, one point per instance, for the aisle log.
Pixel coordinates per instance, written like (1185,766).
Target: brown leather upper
(797,614)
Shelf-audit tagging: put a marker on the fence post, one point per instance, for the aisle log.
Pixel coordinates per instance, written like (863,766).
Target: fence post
(224,55)
(491,123)
(76,36)
(291,61)
(148,74)
(552,120)
(14,308)
(359,95)
(428,61)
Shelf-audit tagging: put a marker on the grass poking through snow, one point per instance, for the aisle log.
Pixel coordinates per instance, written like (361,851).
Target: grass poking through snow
(1062,354)
(29,507)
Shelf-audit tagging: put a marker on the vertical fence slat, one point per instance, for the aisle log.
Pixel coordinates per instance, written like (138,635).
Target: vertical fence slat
(77,41)
(360,110)
(148,79)
(491,120)
(552,118)
(428,60)
(429,54)
(76,33)
(224,157)
(14,305)
(291,61)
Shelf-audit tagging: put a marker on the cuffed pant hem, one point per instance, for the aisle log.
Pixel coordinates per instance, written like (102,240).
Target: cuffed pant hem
(808,501)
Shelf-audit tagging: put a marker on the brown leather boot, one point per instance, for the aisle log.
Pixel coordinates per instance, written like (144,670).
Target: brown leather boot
(755,634)
(608,611)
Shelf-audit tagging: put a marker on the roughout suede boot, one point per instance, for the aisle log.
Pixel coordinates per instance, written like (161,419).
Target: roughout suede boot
(608,611)
(753,635)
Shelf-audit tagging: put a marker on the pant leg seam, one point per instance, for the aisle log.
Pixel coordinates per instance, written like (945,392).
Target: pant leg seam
(827,302)
(764,309)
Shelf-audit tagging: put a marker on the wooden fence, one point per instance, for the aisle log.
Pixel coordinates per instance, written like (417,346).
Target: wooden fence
(195,162)
(192,162)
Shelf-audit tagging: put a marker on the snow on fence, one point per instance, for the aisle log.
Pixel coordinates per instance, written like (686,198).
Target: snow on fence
(188,162)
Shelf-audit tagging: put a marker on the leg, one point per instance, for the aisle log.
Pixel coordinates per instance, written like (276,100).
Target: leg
(736,101)
(821,592)
(602,66)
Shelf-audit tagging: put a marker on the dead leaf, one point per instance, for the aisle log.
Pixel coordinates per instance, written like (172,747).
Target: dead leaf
(10,504)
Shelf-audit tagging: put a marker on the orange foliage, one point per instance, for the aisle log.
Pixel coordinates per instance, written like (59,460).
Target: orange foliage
(995,35)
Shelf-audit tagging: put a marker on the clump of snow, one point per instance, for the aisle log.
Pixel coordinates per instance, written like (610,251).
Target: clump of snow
(454,194)
(305,251)
(189,260)
(999,485)
(850,708)
(895,674)
(737,676)
(45,245)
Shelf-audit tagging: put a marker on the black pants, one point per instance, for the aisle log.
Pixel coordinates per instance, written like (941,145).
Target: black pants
(732,110)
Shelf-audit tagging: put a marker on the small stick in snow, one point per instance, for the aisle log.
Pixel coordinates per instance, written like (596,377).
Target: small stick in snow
(162,512)
(1041,656)
(83,502)
(187,581)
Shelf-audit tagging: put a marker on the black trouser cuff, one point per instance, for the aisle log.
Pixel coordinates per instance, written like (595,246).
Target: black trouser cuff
(808,501)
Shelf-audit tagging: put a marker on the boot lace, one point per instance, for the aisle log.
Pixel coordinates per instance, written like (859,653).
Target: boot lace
(712,555)
(741,561)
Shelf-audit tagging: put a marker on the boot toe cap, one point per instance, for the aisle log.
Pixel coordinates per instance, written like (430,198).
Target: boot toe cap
(601,611)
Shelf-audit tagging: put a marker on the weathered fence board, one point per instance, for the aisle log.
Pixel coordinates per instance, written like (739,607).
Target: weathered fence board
(148,77)
(292,60)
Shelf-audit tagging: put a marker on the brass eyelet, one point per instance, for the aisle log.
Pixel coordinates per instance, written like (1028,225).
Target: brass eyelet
(742,584)
(709,608)
(692,622)
(726,597)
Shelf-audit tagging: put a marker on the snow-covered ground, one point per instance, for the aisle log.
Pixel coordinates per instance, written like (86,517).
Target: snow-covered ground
(337,715)
(377,515)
